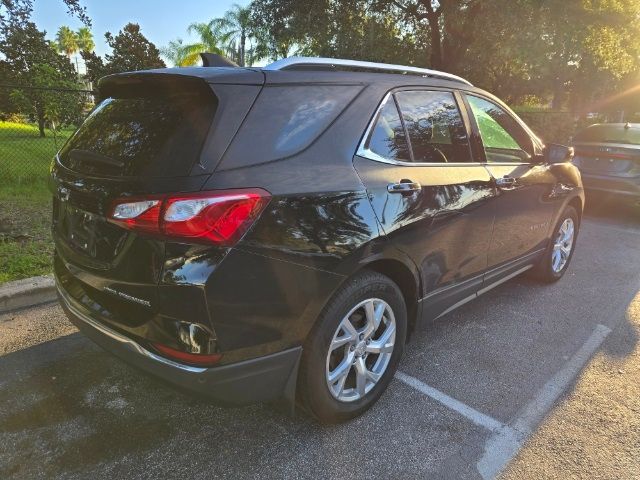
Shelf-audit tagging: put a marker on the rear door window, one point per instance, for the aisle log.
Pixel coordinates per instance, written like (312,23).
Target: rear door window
(436,131)
(503,139)
(141,136)
(387,138)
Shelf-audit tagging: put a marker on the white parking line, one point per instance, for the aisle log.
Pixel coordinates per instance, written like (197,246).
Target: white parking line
(506,440)
(466,411)
(503,445)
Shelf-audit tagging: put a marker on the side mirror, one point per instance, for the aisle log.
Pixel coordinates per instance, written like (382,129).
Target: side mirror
(555,153)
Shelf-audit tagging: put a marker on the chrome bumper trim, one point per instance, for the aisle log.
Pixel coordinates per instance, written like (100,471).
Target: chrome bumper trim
(125,341)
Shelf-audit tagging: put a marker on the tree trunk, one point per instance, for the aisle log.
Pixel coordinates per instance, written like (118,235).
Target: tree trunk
(243,41)
(41,123)
(558,94)
(436,40)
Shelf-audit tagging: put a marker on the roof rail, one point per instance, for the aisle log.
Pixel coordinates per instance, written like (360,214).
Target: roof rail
(293,62)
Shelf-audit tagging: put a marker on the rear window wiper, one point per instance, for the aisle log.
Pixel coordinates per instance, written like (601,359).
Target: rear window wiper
(87,156)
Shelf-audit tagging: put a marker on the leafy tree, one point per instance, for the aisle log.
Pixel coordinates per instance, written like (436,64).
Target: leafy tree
(571,52)
(56,106)
(85,40)
(130,50)
(67,41)
(271,22)
(235,26)
(31,61)
(425,15)
(176,52)
(339,28)
(96,69)
(209,40)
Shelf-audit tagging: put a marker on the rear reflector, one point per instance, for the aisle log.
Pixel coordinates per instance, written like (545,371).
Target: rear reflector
(220,218)
(190,358)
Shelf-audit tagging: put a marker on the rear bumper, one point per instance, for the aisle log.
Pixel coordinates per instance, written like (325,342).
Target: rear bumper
(256,380)
(624,186)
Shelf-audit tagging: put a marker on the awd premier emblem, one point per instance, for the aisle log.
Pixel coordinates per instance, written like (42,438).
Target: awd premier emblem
(131,298)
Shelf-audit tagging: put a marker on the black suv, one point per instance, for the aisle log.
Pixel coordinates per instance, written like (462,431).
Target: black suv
(255,234)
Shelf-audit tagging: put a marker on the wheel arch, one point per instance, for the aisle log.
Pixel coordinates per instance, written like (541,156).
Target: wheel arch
(407,281)
(576,202)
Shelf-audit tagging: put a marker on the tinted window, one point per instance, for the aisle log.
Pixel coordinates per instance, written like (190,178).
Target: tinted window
(609,134)
(141,136)
(286,120)
(387,137)
(504,140)
(435,127)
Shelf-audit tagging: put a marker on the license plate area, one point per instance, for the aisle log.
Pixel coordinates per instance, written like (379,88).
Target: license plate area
(82,228)
(87,233)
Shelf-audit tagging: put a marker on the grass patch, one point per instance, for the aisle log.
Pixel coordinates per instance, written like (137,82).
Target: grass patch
(26,246)
(25,157)
(25,203)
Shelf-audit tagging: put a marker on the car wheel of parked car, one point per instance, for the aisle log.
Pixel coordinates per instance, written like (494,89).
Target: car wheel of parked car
(556,259)
(353,350)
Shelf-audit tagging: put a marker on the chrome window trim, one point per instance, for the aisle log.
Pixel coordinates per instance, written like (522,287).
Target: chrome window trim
(285,63)
(364,152)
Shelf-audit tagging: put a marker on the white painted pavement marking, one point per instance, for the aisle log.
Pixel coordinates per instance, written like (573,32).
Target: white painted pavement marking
(466,411)
(503,445)
(506,440)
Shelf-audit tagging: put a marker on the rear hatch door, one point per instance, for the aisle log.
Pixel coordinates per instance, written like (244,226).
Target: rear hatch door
(146,136)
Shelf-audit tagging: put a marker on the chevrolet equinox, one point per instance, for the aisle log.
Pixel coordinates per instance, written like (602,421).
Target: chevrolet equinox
(255,234)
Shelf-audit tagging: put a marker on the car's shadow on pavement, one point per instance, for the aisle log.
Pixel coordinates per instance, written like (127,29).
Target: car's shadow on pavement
(88,407)
(69,409)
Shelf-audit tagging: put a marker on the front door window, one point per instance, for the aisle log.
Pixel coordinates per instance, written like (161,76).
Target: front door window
(503,139)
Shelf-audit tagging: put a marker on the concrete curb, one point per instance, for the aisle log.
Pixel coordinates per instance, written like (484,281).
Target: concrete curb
(26,293)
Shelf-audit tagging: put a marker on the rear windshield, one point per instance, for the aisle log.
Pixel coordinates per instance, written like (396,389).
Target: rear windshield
(609,134)
(141,136)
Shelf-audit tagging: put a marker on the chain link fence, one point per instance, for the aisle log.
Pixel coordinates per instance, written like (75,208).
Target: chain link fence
(34,123)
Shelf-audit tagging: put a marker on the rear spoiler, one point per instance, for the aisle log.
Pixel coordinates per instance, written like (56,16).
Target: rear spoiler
(173,80)
(148,84)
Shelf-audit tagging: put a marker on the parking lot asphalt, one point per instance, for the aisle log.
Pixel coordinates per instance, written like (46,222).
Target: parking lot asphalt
(528,381)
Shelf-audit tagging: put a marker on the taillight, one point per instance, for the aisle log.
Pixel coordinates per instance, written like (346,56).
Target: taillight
(220,217)
(142,215)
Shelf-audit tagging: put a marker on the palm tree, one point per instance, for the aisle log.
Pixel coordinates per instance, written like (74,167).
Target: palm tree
(85,40)
(174,52)
(184,55)
(236,28)
(66,41)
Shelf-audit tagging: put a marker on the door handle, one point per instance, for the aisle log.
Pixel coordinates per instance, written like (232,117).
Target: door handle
(404,186)
(506,183)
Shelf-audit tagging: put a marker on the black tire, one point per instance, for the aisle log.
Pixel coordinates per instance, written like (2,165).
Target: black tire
(313,389)
(543,270)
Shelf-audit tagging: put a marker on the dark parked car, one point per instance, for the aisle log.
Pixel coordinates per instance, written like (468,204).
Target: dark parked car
(255,234)
(608,155)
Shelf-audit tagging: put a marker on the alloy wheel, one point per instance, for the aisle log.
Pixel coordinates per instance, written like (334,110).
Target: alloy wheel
(360,350)
(563,245)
